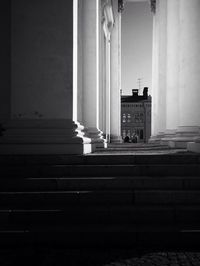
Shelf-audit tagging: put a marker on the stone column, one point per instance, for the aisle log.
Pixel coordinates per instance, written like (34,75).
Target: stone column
(173,47)
(5,62)
(41,80)
(154,124)
(107,88)
(189,93)
(159,71)
(115,86)
(78,74)
(172,70)
(102,75)
(90,71)
(108,23)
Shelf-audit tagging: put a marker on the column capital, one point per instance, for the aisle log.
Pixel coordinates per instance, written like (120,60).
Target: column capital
(107,19)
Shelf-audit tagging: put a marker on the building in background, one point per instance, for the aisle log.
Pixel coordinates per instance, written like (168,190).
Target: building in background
(136,115)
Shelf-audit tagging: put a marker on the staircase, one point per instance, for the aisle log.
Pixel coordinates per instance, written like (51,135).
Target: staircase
(97,200)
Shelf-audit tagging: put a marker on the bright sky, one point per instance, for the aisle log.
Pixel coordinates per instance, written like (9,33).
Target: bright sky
(137,24)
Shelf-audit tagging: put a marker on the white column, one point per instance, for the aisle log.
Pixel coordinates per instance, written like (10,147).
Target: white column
(107,89)
(173,47)
(172,70)
(108,23)
(154,125)
(190,71)
(102,75)
(90,71)
(159,70)
(78,74)
(115,86)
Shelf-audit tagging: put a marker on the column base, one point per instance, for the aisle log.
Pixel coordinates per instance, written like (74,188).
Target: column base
(115,139)
(156,139)
(194,146)
(42,136)
(184,135)
(96,137)
(168,135)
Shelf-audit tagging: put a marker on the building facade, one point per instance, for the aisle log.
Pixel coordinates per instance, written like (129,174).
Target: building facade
(136,116)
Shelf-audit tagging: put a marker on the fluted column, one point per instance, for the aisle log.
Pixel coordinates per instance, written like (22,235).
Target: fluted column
(173,46)
(189,93)
(172,70)
(90,71)
(159,70)
(115,86)
(108,24)
(189,79)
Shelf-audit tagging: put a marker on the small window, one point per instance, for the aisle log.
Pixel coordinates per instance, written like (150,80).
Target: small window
(124,118)
(129,118)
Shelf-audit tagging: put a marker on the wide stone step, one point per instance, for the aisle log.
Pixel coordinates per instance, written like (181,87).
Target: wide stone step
(56,199)
(105,159)
(105,236)
(173,197)
(100,183)
(101,170)
(60,199)
(145,215)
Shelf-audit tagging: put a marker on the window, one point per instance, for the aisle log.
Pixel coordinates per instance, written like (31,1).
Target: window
(128,118)
(137,118)
(124,118)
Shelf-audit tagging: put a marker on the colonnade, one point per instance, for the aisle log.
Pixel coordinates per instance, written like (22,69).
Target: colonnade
(99,62)
(176,74)
(60,86)
(61,75)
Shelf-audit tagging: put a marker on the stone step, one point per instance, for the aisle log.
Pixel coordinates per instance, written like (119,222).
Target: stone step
(101,170)
(106,236)
(105,159)
(101,215)
(100,183)
(56,199)
(63,198)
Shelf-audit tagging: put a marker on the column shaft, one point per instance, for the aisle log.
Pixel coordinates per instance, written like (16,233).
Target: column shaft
(189,72)
(189,63)
(90,70)
(173,46)
(115,101)
(159,69)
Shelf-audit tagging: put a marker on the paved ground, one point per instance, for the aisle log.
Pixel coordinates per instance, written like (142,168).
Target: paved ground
(138,149)
(48,257)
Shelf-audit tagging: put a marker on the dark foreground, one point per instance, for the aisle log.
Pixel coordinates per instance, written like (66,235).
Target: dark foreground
(101,209)
(94,257)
